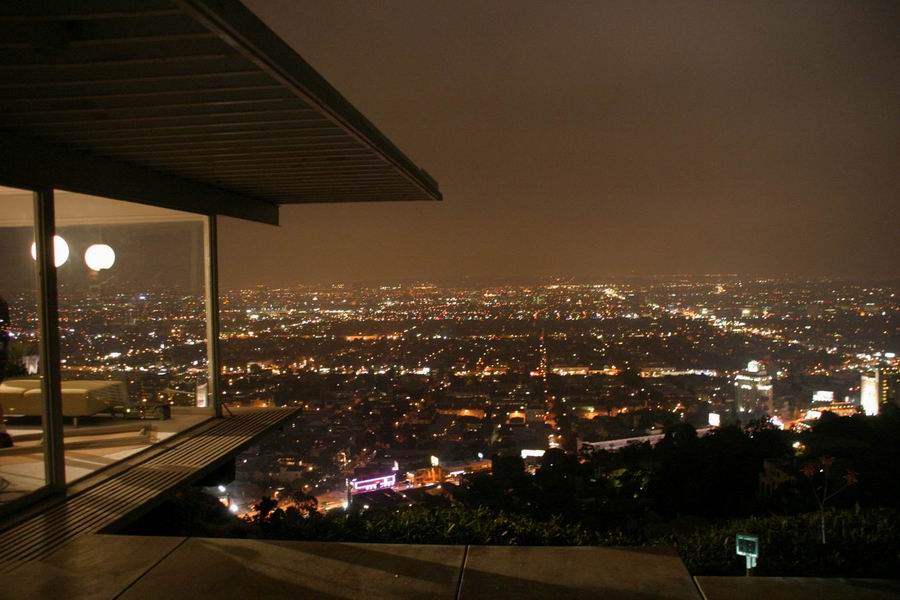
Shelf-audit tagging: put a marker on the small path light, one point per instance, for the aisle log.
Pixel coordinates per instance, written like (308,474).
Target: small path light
(748,547)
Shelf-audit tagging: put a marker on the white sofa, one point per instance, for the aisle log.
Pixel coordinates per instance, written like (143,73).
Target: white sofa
(22,397)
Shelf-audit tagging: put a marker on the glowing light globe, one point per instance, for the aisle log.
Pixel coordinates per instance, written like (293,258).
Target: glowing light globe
(60,251)
(99,257)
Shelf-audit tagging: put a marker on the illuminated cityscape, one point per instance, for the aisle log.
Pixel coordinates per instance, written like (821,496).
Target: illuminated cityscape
(391,377)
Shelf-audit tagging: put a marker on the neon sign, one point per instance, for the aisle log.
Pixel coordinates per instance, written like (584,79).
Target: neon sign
(376,483)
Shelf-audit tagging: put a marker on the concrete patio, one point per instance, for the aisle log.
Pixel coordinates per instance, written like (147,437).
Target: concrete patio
(132,567)
(789,588)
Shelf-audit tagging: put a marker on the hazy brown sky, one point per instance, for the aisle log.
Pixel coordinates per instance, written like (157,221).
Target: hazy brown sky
(603,138)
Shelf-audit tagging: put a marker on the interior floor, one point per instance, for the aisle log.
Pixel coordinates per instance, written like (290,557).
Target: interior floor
(95,443)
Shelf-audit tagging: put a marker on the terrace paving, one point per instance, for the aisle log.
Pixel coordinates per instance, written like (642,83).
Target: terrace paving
(136,568)
(229,568)
(94,566)
(133,567)
(790,588)
(524,572)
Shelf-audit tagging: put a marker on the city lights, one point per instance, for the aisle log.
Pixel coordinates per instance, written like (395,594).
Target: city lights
(538,367)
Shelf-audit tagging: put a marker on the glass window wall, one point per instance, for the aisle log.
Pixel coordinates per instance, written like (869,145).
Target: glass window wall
(132,319)
(22,426)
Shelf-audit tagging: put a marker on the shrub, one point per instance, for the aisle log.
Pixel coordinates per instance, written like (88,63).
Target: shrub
(861,543)
(455,525)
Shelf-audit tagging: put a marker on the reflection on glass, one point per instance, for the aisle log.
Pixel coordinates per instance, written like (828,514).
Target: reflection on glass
(21,399)
(132,327)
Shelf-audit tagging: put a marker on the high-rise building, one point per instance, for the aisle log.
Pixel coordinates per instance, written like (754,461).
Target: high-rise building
(870,392)
(753,392)
(889,384)
(877,387)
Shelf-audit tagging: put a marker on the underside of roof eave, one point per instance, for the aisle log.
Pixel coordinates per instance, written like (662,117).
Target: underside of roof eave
(244,31)
(191,104)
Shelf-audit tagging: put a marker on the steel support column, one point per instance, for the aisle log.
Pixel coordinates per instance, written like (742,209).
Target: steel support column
(48,309)
(211,250)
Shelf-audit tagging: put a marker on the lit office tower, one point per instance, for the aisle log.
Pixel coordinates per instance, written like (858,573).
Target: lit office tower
(753,392)
(889,383)
(870,392)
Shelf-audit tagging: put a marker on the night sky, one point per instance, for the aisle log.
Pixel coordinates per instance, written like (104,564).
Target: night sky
(603,139)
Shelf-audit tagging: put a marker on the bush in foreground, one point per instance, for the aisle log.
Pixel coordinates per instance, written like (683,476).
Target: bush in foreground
(427,526)
(861,542)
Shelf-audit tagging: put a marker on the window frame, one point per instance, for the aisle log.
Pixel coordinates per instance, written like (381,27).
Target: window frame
(44,226)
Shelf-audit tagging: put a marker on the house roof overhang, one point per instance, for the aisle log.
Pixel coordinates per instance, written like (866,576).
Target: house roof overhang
(188,104)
